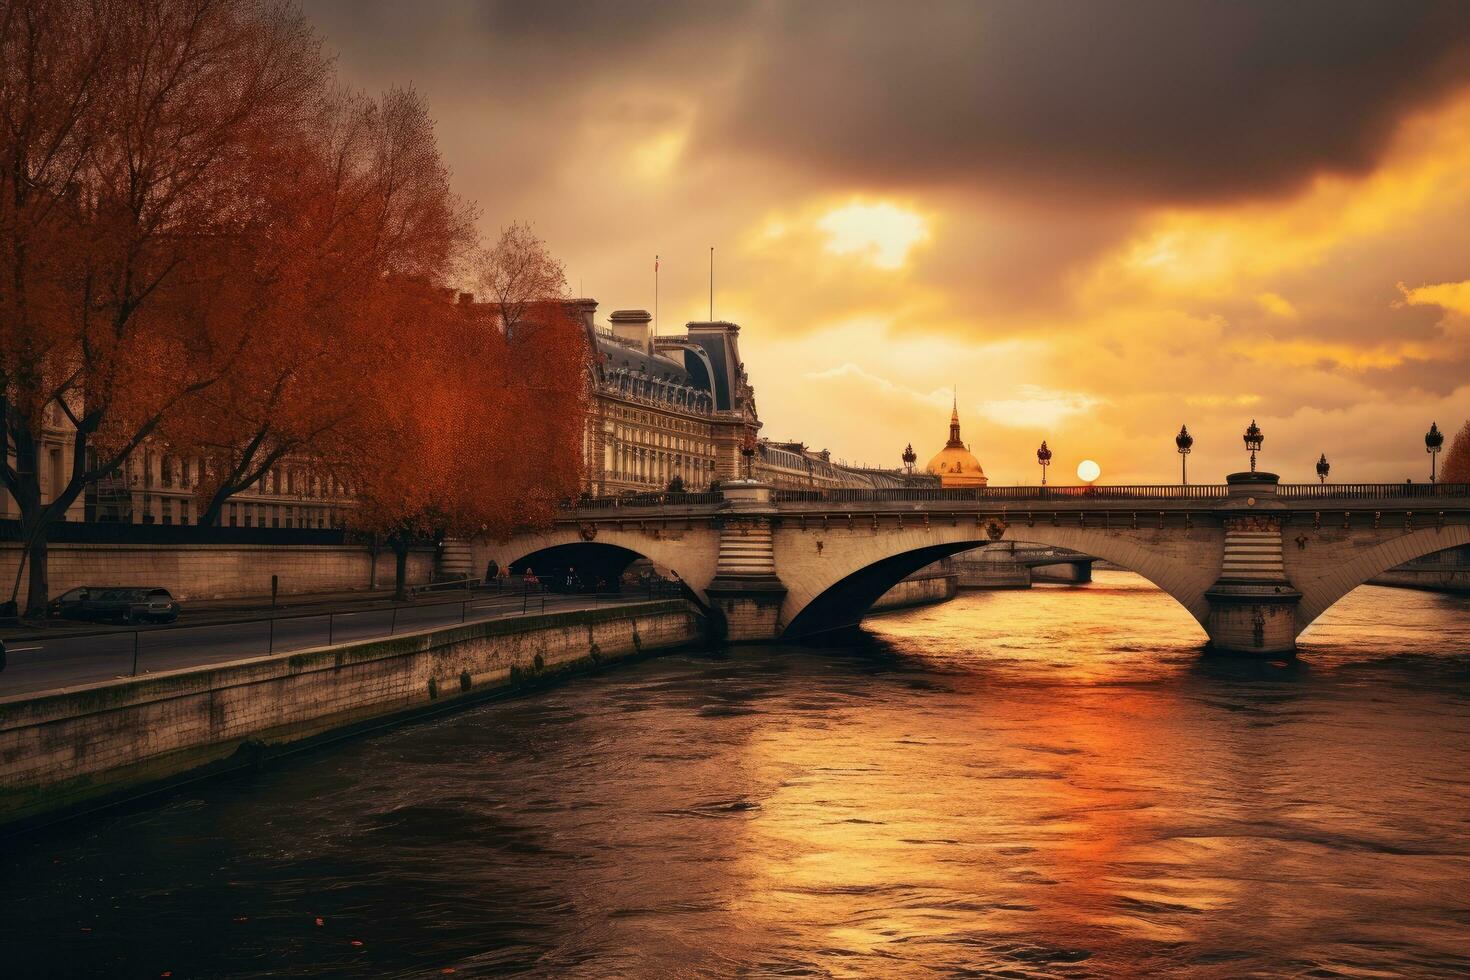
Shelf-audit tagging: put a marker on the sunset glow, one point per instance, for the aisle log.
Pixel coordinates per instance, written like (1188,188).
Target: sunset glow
(1085,268)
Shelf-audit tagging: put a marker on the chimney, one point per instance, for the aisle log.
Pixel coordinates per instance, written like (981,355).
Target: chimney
(632,326)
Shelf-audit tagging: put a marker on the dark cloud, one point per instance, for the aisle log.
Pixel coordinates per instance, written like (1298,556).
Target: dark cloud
(1148,99)
(1137,101)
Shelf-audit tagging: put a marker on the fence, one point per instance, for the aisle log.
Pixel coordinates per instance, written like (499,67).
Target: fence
(645,500)
(983,494)
(109,532)
(1194,491)
(1370,491)
(127,651)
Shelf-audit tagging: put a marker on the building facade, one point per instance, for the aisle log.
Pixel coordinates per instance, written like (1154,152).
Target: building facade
(660,408)
(663,407)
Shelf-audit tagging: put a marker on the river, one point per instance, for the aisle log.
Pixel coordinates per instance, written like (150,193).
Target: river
(1051,783)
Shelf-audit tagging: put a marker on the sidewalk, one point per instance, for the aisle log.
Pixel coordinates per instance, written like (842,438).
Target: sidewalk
(204,612)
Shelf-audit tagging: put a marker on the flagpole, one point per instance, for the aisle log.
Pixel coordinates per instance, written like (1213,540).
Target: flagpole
(712,283)
(655,296)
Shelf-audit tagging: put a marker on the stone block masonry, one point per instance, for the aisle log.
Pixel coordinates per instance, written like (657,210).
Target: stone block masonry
(73,748)
(920,589)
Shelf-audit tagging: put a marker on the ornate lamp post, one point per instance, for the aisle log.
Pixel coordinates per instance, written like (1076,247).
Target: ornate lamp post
(1184,442)
(1323,468)
(909,458)
(1433,443)
(1043,456)
(1253,440)
(747,449)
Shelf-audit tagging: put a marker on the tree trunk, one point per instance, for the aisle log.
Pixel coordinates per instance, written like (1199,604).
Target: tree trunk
(38,582)
(400,568)
(211,515)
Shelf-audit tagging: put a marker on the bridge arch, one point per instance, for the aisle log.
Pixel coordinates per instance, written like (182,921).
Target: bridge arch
(1325,571)
(834,576)
(689,553)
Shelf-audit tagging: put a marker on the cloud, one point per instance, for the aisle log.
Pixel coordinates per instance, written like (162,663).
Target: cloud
(1134,215)
(882,233)
(1149,101)
(1453,297)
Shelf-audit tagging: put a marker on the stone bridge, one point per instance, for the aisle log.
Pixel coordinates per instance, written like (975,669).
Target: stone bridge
(1254,561)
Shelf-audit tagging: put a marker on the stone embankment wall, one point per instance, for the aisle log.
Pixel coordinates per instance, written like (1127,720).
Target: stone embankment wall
(218,571)
(999,574)
(920,589)
(1432,579)
(70,748)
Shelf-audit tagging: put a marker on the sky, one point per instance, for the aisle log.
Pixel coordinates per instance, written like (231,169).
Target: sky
(1095,222)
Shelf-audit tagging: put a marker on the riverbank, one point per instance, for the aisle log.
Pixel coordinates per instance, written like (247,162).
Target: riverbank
(919,589)
(81,747)
(1454,580)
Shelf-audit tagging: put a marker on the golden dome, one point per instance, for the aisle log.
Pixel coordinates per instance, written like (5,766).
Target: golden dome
(955,465)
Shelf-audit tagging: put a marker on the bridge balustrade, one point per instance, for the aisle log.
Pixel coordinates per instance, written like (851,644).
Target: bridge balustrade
(644,500)
(980,494)
(1370,491)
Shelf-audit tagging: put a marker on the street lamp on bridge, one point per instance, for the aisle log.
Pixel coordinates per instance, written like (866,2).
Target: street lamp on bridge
(1253,440)
(1323,468)
(1184,442)
(1043,456)
(747,449)
(1433,443)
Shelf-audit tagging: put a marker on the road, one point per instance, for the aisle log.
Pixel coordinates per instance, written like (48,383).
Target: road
(65,661)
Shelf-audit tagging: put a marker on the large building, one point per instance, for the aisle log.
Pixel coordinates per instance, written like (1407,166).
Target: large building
(660,407)
(682,406)
(158,486)
(663,407)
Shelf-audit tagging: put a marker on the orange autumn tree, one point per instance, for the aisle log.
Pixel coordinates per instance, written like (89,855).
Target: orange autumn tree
(478,420)
(131,134)
(1457,460)
(366,209)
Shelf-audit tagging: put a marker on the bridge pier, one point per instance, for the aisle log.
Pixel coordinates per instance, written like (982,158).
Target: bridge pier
(746,592)
(1252,605)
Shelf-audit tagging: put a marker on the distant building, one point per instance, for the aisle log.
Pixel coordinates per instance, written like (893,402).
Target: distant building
(158,486)
(955,465)
(663,407)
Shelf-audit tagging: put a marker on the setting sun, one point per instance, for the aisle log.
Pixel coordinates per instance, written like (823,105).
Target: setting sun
(883,234)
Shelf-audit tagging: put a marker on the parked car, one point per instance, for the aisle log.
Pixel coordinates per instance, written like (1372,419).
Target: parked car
(129,605)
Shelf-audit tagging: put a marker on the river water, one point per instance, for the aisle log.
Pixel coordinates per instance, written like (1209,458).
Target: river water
(1052,783)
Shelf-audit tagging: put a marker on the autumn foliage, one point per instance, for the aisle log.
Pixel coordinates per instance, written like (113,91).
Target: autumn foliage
(1457,460)
(480,419)
(207,243)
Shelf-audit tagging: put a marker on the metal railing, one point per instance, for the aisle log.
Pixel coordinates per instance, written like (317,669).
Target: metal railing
(301,631)
(986,494)
(637,500)
(1370,491)
(880,495)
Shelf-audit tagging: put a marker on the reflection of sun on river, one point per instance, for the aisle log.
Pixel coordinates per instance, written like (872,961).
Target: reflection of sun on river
(1042,783)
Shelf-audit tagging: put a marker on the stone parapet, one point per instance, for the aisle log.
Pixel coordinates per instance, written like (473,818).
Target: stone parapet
(74,747)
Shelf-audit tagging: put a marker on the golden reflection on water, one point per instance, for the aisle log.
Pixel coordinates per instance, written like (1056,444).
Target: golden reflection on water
(1051,783)
(1078,772)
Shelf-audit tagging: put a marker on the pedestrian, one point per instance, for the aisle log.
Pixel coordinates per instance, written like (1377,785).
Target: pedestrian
(491,571)
(504,573)
(571,578)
